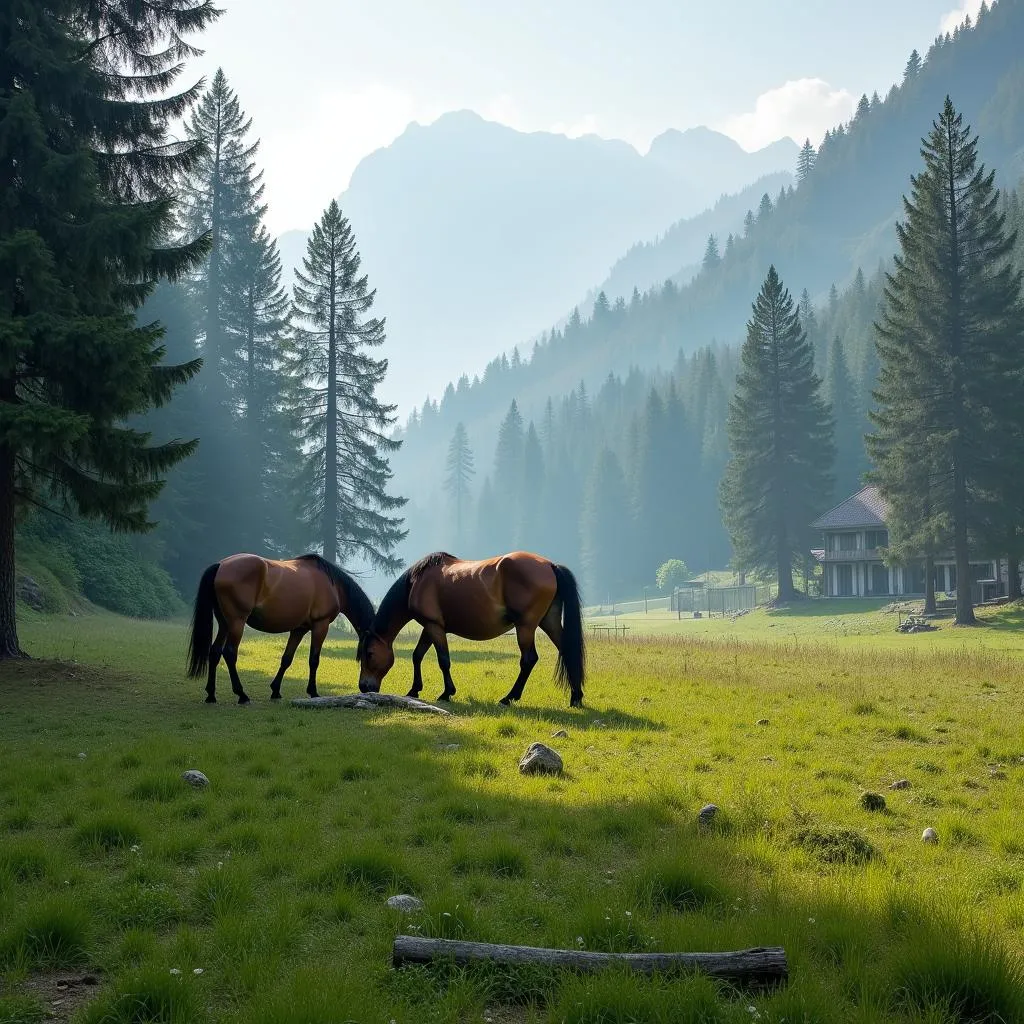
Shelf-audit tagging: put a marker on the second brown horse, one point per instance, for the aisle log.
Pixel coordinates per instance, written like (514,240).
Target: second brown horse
(479,601)
(294,596)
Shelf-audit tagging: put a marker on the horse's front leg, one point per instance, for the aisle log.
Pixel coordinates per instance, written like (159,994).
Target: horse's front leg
(422,646)
(294,639)
(315,643)
(439,639)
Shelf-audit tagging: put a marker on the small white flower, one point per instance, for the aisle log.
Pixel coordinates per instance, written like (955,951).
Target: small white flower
(579,941)
(810,920)
(174,970)
(220,864)
(445,914)
(197,970)
(629,913)
(135,848)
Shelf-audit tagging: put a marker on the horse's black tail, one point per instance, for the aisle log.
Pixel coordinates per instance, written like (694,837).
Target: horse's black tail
(201,635)
(572,657)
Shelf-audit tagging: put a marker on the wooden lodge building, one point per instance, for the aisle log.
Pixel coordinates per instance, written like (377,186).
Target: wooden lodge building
(855,533)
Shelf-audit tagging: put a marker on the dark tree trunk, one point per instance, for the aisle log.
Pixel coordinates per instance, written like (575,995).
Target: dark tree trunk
(331,452)
(8,620)
(964,604)
(785,570)
(929,585)
(1013,578)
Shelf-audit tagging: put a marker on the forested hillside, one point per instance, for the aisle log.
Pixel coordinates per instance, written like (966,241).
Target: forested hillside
(586,386)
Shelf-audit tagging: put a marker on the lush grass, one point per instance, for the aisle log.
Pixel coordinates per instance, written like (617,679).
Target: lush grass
(265,892)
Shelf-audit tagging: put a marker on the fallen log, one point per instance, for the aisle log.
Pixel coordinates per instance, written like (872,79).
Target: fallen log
(757,967)
(368,701)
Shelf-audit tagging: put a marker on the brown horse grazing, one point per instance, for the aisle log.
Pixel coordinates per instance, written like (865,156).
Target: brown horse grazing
(479,601)
(296,596)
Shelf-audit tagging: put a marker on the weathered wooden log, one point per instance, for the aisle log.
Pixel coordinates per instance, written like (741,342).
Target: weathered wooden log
(757,967)
(368,701)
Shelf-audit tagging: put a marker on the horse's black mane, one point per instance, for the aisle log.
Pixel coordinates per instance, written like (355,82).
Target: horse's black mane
(397,597)
(360,607)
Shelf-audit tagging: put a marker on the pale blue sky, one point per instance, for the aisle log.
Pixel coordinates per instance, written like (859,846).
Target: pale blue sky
(328,81)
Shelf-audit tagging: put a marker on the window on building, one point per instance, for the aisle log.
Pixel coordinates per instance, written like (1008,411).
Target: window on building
(844,580)
(847,542)
(879,579)
(876,539)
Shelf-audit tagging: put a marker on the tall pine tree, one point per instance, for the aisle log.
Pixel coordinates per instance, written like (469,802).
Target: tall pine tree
(343,485)
(86,174)
(780,438)
(805,161)
(949,342)
(459,473)
(605,515)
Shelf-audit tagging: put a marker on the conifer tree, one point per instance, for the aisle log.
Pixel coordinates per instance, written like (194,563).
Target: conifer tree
(711,254)
(780,438)
(949,343)
(86,175)
(343,486)
(913,66)
(459,473)
(532,520)
(223,196)
(841,396)
(508,476)
(605,513)
(805,161)
(257,325)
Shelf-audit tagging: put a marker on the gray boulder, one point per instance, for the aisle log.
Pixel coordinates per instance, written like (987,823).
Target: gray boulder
(405,903)
(195,778)
(541,760)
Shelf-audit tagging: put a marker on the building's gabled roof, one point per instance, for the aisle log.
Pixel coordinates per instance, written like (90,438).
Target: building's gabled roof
(865,509)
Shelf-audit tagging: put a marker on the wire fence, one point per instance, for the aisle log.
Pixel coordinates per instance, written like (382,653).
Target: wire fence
(692,601)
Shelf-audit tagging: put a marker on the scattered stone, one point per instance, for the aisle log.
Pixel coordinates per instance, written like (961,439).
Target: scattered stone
(599,724)
(707,814)
(769,758)
(450,747)
(762,721)
(929,835)
(872,801)
(996,773)
(405,903)
(31,593)
(900,784)
(560,735)
(195,778)
(540,759)
(82,756)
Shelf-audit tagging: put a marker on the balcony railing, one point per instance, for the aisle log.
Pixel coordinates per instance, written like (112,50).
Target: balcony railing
(859,555)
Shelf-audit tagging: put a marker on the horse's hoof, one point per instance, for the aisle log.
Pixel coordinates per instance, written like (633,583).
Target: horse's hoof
(506,701)
(446,697)
(413,693)
(243,700)
(275,696)
(211,700)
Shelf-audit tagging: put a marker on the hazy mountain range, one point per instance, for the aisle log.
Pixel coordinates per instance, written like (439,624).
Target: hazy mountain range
(477,236)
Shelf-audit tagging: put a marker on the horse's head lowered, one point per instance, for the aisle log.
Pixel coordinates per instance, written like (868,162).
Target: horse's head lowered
(376,656)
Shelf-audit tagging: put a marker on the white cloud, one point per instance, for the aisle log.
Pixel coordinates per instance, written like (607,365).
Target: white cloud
(801,109)
(310,161)
(955,19)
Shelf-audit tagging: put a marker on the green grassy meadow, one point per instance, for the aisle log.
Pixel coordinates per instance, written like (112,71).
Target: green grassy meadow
(261,898)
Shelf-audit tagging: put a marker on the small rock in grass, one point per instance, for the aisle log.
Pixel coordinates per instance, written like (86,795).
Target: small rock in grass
(560,735)
(82,756)
(540,759)
(929,835)
(707,814)
(996,773)
(872,801)
(901,784)
(405,903)
(195,778)
(762,721)
(451,747)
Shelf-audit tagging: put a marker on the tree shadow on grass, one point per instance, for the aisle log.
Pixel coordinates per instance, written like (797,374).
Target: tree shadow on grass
(827,608)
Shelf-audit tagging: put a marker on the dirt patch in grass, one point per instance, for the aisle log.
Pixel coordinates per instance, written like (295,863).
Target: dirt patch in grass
(26,674)
(60,994)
